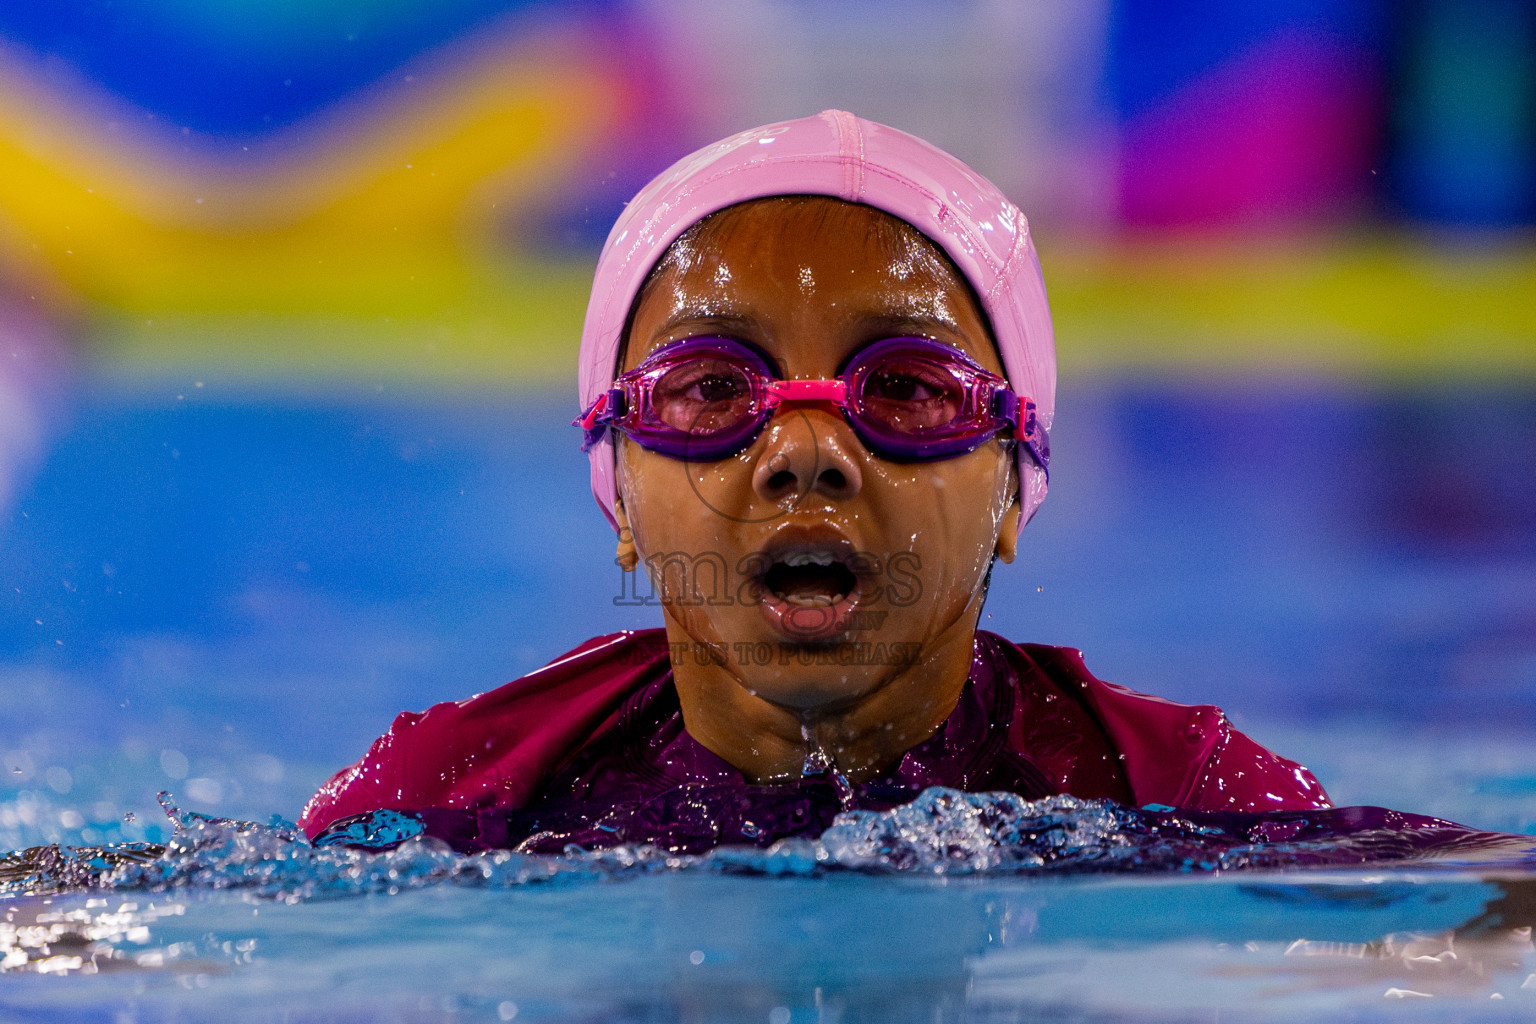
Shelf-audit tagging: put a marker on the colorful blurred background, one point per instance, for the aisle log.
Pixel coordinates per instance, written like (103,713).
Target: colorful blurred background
(290,189)
(290,292)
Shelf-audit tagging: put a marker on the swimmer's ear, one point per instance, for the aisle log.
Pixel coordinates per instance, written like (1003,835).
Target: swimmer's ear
(1008,535)
(627,556)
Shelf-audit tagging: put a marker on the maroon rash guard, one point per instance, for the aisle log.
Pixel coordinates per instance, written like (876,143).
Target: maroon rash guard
(591,750)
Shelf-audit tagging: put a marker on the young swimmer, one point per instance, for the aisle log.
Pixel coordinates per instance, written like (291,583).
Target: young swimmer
(817,379)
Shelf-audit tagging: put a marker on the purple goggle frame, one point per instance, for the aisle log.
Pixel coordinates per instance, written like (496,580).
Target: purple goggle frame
(907,399)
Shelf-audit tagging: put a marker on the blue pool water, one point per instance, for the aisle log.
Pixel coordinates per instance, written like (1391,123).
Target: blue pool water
(226,594)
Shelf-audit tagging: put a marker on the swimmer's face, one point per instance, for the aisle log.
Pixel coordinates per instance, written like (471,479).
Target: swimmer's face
(825,546)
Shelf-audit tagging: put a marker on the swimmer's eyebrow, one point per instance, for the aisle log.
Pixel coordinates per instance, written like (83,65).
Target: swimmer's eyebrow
(921,321)
(700,316)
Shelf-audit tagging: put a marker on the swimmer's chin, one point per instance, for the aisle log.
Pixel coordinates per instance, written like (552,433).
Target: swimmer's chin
(809,694)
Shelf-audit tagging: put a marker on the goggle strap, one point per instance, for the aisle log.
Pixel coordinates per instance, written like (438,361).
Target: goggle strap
(609,408)
(1037,440)
(1005,406)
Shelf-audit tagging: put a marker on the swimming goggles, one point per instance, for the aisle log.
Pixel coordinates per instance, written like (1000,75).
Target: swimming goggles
(907,399)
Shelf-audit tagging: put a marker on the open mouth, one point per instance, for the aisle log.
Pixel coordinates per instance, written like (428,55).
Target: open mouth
(810,579)
(811,585)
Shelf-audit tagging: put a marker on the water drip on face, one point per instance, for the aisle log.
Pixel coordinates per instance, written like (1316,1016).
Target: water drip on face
(816,759)
(819,763)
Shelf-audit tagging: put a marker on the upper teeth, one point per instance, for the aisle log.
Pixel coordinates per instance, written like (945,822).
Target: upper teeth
(810,558)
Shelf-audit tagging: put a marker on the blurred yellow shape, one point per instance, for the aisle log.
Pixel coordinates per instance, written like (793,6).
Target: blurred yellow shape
(373,228)
(379,239)
(1390,304)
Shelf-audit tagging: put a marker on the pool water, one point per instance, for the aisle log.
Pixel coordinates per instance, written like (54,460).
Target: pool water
(941,910)
(226,593)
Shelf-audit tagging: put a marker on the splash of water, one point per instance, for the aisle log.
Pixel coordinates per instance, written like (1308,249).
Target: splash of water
(942,832)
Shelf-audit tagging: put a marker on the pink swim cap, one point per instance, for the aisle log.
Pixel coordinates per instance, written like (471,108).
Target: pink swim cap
(834,154)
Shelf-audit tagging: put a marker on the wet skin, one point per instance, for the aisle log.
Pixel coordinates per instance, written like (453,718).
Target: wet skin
(809,281)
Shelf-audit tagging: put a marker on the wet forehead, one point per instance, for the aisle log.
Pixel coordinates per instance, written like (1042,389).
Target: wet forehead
(774,269)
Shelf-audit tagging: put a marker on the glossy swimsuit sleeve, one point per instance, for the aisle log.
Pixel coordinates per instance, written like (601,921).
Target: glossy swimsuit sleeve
(1183,755)
(497,748)
(1240,775)
(379,780)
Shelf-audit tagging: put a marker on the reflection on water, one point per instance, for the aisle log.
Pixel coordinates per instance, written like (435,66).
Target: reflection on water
(88,938)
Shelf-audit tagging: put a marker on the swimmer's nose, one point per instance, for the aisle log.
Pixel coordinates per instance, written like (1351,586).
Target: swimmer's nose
(807,450)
